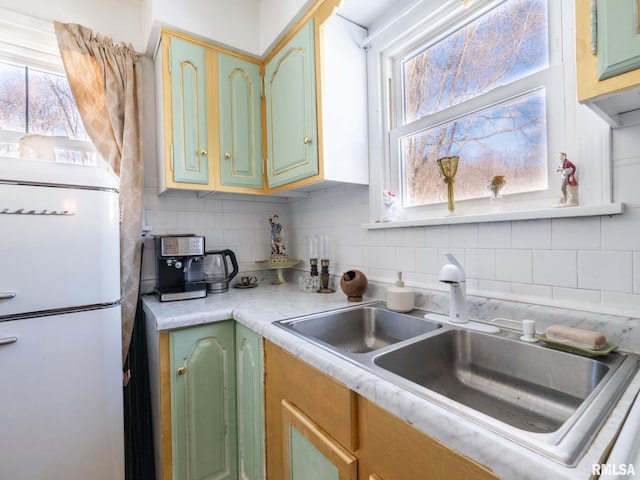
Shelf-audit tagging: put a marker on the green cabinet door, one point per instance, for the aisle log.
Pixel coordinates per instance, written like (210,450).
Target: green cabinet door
(250,404)
(310,453)
(203,402)
(290,89)
(189,112)
(240,122)
(618,37)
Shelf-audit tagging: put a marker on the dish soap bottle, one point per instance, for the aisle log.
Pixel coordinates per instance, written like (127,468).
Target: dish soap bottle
(400,298)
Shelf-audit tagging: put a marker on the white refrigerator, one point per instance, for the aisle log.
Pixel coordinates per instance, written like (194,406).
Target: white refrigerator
(61,412)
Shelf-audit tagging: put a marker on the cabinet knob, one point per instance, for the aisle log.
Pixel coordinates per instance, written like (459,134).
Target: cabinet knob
(307,140)
(204,153)
(227,155)
(181,370)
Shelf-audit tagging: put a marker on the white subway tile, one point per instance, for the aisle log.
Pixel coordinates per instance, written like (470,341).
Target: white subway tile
(555,267)
(625,142)
(627,302)
(437,236)
(514,266)
(578,297)
(531,234)
(625,182)
(494,235)
(405,259)
(636,272)
(610,271)
(622,232)
(480,263)
(427,261)
(576,233)
(529,290)
(464,236)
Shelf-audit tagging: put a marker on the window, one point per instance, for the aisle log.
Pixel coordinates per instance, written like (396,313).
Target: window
(491,84)
(38,115)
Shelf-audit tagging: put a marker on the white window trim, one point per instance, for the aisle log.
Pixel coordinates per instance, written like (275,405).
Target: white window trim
(586,138)
(26,40)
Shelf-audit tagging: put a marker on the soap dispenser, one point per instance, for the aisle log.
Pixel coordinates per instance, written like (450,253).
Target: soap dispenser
(400,298)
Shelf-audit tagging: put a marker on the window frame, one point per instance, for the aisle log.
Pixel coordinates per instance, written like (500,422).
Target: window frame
(31,42)
(580,133)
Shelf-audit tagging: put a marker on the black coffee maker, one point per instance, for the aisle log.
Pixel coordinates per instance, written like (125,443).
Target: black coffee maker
(179,267)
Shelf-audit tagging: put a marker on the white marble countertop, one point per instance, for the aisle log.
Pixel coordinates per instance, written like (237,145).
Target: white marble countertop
(258,307)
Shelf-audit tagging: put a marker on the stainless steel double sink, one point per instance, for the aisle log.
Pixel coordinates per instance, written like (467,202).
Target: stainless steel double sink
(547,400)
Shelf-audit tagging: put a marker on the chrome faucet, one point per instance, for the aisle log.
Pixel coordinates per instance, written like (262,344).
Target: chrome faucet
(453,274)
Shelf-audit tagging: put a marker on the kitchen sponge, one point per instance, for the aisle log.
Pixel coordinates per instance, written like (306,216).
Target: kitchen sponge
(577,337)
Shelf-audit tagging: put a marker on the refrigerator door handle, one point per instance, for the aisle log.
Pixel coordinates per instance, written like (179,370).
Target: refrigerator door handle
(7,295)
(8,340)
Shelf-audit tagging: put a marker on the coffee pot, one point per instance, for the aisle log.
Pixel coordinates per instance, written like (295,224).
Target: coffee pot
(216,270)
(179,267)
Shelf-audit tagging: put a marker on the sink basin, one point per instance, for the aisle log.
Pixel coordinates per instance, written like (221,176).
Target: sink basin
(361,329)
(544,398)
(549,401)
(503,379)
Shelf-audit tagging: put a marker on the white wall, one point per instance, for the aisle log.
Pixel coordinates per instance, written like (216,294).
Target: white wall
(231,23)
(118,19)
(276,16)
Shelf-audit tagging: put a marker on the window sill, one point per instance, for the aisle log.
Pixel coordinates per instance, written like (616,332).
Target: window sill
(506,216)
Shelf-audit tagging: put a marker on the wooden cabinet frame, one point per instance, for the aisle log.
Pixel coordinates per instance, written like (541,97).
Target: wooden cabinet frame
(344,461)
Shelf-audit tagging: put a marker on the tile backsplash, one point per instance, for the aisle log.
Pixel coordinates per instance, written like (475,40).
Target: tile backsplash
(590,263)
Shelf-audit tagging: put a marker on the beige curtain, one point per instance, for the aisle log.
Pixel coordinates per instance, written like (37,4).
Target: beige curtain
(106,82)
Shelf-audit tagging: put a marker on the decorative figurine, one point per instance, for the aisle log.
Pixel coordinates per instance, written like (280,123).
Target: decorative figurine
(393,209)
(497,184)
(277,236)
(278,259)
(449,168)
(569,185)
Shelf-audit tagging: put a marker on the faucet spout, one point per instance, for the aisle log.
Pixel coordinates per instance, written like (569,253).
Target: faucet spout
(454,275)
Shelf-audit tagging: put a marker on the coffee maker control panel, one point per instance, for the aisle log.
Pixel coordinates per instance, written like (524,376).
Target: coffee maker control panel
(181,246)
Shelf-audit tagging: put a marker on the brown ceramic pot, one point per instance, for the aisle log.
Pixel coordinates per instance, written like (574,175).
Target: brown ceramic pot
(354,284)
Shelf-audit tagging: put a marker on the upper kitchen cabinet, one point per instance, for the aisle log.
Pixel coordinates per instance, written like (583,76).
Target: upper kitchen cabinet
(608,59)
(240,153)
(290,88)
(316,104)
(210,119)
(183,74)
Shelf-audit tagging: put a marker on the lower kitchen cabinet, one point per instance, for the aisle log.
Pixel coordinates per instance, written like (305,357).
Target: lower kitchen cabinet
(208,406)
(391,449)
(203,397)
(309,417)
(316,428)
(250,402)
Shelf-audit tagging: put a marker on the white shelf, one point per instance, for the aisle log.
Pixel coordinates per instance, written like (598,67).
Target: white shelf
(505,216)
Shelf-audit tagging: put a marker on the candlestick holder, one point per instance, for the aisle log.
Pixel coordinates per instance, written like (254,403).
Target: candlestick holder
(314,267)
(324,277)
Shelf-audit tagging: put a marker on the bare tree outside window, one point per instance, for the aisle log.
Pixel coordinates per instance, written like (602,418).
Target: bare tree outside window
(508,138)
(38,102)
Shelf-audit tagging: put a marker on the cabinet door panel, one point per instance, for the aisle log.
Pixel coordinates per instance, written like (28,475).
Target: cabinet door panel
(310,453)
(189,112)
(250,404)
(291,111)
(618,38)
(240,122)
(203,402)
